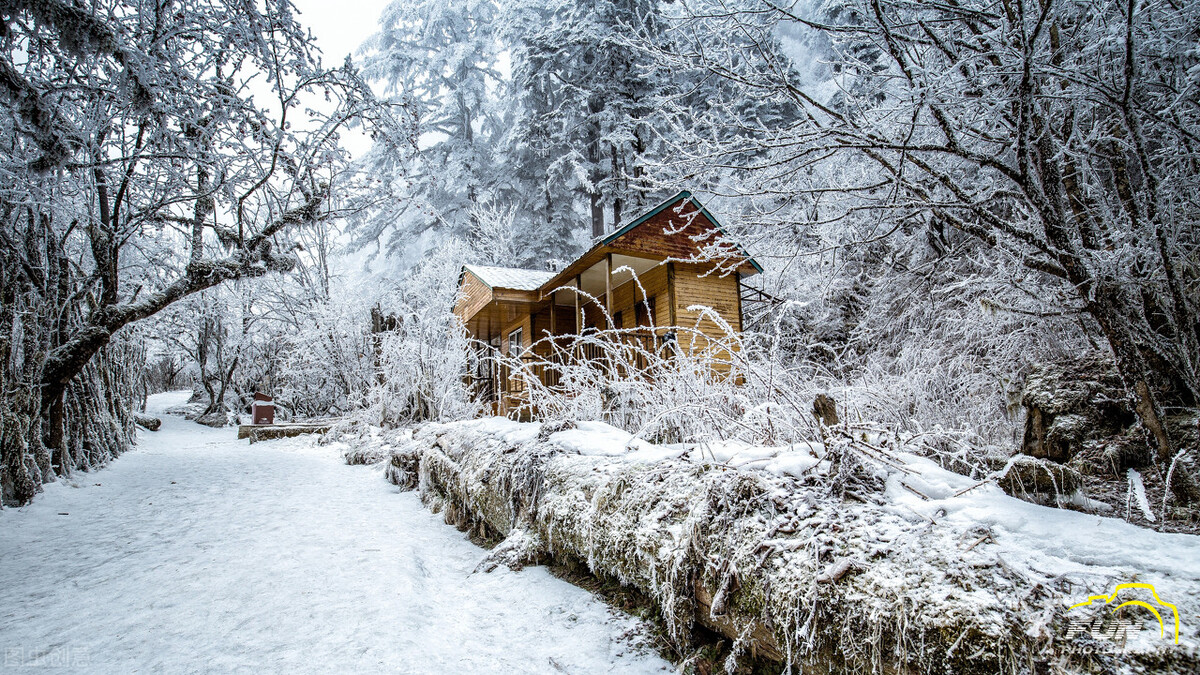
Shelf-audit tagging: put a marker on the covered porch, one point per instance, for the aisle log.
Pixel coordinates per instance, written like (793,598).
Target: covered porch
(617,296)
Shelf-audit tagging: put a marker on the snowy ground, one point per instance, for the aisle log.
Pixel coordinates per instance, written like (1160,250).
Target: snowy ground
(198,552)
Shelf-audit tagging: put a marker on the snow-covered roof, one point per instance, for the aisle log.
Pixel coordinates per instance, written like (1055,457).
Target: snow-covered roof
(510,277)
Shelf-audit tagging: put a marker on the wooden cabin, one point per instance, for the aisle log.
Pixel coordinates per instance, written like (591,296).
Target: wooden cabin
(681,259)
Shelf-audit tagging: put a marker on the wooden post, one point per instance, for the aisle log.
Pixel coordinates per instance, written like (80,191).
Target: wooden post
(671,293)
(553,314)
(578,306)
(737,276)
(608,306)
(497,390)
(493,367)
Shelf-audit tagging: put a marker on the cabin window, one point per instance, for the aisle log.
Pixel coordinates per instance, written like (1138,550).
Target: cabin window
(618,322)
(514,342)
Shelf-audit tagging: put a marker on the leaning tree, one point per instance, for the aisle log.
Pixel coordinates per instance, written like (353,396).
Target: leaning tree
(151,150)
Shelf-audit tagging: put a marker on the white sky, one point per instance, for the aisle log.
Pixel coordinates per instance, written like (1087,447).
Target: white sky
(340,27)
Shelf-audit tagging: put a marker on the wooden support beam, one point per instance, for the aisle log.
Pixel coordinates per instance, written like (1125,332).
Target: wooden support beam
(497,388)
(578,306)
(608,305)
(553,314)
(738,278)
(671,293)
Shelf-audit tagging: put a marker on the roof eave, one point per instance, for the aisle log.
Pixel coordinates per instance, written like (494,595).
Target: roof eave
(578,265)
(684,195)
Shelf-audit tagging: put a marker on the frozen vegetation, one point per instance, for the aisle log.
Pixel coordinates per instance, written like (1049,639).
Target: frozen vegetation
(854,555)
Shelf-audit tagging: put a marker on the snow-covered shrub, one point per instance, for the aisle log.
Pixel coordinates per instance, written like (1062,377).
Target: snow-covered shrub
(421,374)
(689,386)
(682,386)
(330,364)
(423,354)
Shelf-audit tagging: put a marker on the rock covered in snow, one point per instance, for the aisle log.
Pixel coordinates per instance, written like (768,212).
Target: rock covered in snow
(1070,403)
(1026,475)
(216,419)
(1082,440)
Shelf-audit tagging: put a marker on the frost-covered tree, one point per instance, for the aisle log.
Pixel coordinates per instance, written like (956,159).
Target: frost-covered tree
(441,59)
(1054,136)
(150,151)
(206,331)
(424,355)
(585,105)
(541,107)
(326,361)
(493,234)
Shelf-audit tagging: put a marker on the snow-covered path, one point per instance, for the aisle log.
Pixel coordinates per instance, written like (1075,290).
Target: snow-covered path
(197,552)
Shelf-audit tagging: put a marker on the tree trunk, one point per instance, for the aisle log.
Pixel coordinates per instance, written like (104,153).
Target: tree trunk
(1103,300)
(597,215)
(56,438)
(17,485)
(1132,365)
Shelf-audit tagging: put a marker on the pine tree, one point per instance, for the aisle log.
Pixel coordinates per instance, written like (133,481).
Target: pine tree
(586,103)
(441,58)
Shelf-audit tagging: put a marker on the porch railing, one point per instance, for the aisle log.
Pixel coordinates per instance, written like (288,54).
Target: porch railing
(623,354)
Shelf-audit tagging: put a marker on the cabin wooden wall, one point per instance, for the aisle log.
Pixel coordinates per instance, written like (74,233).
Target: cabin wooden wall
(473,296)
(525,323)
(564,324)
(628,296)
(693,287)
(673,286)
(668,234)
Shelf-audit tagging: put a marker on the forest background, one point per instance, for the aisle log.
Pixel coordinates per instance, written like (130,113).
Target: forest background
(945,197)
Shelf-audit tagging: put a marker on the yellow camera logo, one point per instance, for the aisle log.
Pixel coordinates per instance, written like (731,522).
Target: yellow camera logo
(1077,627)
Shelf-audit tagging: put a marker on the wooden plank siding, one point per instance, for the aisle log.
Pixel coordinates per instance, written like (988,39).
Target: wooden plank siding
(678,236)
(525,323)
(694,287)
(665,235)
(627,296)
(473,296)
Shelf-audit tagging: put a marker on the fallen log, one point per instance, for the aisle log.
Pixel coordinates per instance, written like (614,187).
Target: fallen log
(147,422)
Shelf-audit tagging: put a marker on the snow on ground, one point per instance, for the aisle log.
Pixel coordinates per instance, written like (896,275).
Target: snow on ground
(1096,552)
(197,552)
